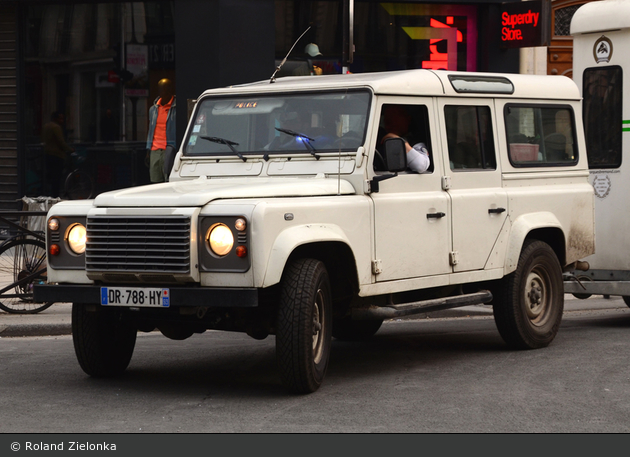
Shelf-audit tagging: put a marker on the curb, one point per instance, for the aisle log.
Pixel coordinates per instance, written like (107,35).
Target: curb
(35,330)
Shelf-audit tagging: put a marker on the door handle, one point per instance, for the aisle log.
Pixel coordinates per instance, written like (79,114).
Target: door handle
(496,210)
(435,215)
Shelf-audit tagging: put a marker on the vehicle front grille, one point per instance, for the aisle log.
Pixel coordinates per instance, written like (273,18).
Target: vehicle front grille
(138,244)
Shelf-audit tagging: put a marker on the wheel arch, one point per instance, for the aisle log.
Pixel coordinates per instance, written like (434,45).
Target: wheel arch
(543,226)
(323,242)
(340,264)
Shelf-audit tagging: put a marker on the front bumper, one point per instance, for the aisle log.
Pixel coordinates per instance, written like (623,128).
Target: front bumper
(180,296)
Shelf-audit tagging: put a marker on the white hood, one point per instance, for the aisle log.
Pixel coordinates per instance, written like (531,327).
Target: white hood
(202,190)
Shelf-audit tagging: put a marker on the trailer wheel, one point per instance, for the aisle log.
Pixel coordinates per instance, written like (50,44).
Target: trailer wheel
(529,302)
(104,339)
(303,327)
(347,329)
(583,296)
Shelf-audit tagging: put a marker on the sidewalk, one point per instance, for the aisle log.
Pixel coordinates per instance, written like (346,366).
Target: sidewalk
(56,320)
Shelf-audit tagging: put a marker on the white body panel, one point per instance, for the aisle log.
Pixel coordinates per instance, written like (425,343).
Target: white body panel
(610,19)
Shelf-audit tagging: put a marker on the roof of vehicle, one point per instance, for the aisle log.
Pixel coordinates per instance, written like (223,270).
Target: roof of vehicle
(415,82)
(601,16)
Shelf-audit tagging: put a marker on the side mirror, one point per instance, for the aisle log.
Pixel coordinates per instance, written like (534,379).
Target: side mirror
(395,154)
(169,159)
(395,158)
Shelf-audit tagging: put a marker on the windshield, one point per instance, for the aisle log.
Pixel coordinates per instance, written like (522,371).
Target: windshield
(308,123)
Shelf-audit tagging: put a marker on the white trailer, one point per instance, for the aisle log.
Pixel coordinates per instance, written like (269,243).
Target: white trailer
(601,69)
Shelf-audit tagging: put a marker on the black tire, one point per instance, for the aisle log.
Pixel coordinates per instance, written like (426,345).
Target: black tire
(528,303)
(104,339)
(19,259)
(583,296)
(347,329)
(303,327)
(79,185)
(626,300)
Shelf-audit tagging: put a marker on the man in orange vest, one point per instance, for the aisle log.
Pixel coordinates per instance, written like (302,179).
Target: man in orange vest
(161,129)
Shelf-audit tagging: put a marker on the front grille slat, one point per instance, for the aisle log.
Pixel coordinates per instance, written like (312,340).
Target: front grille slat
(138,244)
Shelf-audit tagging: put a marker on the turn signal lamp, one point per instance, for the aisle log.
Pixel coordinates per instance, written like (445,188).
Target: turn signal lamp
(54,249)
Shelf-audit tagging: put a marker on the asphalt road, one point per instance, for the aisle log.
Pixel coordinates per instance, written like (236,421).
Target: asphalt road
(422,376)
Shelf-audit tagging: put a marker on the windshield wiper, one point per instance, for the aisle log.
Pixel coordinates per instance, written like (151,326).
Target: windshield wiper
(308,144)
(230,144)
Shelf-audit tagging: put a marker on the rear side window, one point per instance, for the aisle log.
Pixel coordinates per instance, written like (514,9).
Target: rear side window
(603,98)
(470,138)
(540,135)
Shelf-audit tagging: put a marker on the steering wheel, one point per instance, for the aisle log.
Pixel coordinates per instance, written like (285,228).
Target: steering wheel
(379,162)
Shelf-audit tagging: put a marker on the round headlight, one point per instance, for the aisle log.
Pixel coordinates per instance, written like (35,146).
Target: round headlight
(77,238)
(220,239)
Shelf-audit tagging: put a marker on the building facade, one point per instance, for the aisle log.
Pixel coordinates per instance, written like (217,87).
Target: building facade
(98,63)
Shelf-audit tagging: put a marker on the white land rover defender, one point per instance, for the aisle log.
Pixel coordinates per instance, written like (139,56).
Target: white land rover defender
(287,213)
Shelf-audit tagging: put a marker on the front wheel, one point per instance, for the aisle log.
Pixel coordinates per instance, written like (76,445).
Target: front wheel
(104,339)
(303,327)
(528,303)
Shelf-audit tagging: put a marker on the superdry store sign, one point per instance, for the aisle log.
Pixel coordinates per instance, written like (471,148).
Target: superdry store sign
(525,24)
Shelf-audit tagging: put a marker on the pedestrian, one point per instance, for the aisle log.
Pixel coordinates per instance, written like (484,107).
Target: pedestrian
(309,69)
(161,129)
(55,152)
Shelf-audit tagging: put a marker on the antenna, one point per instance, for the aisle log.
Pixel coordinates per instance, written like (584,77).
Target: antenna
(273,77)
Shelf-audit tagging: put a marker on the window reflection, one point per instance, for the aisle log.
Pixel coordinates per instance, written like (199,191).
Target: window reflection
(98,64)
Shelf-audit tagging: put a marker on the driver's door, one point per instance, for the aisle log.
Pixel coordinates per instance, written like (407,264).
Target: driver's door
(412,217)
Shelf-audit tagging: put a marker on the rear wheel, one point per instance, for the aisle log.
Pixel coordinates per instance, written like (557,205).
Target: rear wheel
(104,339)
(303,327)
(528,303)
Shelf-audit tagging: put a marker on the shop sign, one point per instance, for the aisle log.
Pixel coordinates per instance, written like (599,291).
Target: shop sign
(525,24)
(162,55)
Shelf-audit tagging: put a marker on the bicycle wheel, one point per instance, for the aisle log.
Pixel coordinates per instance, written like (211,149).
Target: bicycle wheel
(79,185)
(22,264)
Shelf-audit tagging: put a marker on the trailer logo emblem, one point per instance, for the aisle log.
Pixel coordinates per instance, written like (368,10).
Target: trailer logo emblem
(602,50)
(601,185)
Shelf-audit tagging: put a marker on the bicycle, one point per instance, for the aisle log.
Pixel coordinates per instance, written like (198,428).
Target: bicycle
(22,266)
(78,185)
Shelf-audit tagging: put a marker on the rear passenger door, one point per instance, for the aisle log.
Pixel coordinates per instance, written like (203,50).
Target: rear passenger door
(479,204)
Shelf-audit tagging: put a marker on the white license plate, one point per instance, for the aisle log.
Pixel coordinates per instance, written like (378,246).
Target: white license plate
(135,296)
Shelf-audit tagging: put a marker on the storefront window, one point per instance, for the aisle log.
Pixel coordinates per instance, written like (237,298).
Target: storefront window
(98,65)
(387,36)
